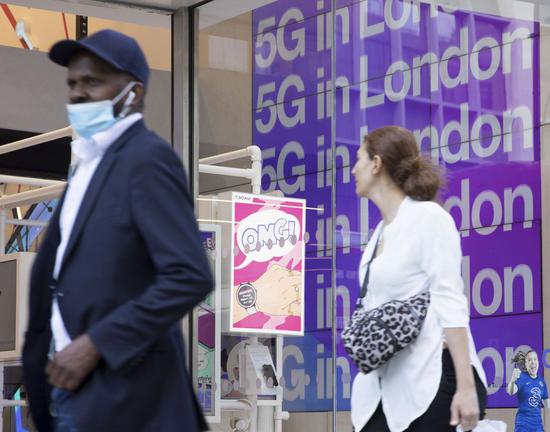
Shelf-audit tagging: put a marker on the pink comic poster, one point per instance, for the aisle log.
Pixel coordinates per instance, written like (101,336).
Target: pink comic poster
(267,272)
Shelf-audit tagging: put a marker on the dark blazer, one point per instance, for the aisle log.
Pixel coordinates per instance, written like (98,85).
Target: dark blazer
(133,267)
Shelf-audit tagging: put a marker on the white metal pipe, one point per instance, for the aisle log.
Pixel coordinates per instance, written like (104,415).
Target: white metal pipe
(234,404)
(28,181)
(26,222)
(227,171)
(266,419)
(279,414)
(254,420)
(255,153)
(31,197)
(254,174)
(35,140)
(257,177)
(226,157)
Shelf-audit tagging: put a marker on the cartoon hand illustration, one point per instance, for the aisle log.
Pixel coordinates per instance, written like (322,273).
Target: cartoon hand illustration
(279,291)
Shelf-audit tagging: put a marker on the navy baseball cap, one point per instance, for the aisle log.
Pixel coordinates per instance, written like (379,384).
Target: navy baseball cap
(120,51)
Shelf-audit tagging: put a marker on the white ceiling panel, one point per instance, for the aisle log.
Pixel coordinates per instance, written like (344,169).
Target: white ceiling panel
(156,12)
(168,5)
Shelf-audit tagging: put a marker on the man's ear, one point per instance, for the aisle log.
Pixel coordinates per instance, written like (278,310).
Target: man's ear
(139,91)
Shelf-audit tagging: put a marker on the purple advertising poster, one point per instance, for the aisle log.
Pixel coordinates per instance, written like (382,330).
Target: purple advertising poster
(467,85)
(208,329)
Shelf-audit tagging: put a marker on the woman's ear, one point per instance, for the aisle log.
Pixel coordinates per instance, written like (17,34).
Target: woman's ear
(377,164)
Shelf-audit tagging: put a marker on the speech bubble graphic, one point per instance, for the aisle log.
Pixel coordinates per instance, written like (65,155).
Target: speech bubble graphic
(267,234)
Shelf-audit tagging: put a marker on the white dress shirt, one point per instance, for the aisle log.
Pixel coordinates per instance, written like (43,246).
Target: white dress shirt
(421,248)
(88,155)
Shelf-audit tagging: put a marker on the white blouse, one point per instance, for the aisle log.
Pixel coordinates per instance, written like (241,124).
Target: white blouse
(421,247)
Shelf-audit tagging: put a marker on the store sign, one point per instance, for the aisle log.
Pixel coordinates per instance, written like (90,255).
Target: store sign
(467,85)
(267,272)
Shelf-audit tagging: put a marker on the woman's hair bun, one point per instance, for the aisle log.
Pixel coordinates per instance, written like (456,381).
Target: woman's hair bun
(415,174)
(406,168)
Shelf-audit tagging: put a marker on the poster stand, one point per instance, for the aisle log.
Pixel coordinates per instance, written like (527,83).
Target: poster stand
(260,413)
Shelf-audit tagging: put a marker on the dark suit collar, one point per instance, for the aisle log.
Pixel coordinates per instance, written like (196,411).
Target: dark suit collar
(95,187)
(134,129)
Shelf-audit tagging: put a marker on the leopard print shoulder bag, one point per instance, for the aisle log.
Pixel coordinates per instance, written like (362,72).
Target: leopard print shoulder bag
(373,337)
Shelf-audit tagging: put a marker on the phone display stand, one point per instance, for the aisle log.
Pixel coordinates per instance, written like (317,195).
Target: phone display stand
(260,377)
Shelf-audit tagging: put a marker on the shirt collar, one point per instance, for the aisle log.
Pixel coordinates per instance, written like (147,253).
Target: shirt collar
(88,149)
(402,209)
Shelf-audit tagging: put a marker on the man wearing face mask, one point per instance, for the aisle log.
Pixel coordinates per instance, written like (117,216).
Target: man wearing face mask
(121,263)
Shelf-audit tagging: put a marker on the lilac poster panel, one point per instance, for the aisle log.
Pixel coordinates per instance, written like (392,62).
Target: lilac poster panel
(466,84)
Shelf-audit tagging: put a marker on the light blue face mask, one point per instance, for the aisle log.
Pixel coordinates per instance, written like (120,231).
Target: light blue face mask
(89,118)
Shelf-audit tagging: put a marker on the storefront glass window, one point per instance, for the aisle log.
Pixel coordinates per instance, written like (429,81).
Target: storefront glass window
(467,79)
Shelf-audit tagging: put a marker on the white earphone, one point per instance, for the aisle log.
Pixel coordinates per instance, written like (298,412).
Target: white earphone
(127,104)
(129,99)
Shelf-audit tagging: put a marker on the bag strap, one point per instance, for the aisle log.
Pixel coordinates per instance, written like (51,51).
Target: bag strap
(366,279)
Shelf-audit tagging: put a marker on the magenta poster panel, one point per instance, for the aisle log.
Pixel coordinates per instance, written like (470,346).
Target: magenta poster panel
(267,272)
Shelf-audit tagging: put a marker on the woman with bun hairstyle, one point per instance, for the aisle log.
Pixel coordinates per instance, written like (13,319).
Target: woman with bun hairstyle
(436,382)
(531,390)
